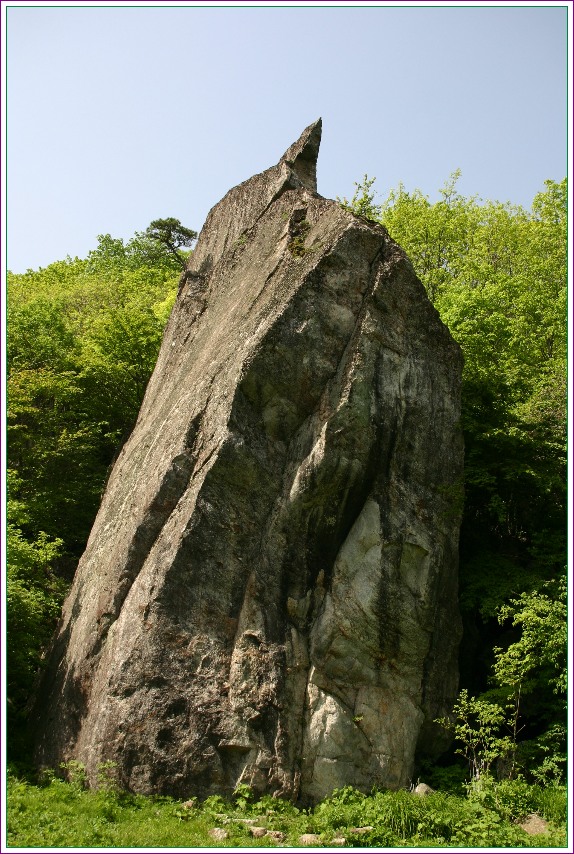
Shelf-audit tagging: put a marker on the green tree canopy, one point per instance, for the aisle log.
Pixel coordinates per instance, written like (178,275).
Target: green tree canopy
(171,235)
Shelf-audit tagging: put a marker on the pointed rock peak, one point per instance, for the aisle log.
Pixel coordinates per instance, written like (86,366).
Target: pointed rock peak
(302,155)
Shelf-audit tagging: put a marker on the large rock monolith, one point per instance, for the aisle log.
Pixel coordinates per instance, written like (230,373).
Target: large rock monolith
(269,591)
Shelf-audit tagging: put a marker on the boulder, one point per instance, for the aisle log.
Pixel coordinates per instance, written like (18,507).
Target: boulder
(310,839)
(533,824)
(269,592)
(258,831)
(423,790)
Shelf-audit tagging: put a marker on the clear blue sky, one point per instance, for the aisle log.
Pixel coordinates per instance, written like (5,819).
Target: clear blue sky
(117,116)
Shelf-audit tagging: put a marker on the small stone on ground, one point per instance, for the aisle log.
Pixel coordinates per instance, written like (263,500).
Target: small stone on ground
(276,834)
(257,831)
(422,789)
(533,824)
(218,833)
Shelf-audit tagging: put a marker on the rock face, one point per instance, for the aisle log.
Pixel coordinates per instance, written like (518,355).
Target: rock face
(269,592)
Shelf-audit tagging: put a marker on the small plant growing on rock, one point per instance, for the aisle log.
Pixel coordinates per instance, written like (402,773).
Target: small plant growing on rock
(241,240)
(298,237)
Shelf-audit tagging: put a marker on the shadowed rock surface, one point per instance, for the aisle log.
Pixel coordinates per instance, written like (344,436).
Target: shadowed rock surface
(269,591)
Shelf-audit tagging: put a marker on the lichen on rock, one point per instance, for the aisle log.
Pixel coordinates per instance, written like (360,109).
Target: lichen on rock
(269,592)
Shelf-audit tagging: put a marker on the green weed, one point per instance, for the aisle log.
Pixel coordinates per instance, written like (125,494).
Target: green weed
(63,814)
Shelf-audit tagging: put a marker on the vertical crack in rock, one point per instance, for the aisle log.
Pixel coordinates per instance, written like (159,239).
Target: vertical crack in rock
(269,592)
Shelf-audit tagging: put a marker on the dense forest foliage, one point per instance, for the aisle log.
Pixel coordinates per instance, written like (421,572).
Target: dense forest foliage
(83,337)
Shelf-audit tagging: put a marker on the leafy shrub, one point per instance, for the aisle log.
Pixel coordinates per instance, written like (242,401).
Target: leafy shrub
(34,596)
(511,799)
(345,808)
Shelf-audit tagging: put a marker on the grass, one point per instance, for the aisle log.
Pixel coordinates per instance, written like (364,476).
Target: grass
(66,815)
